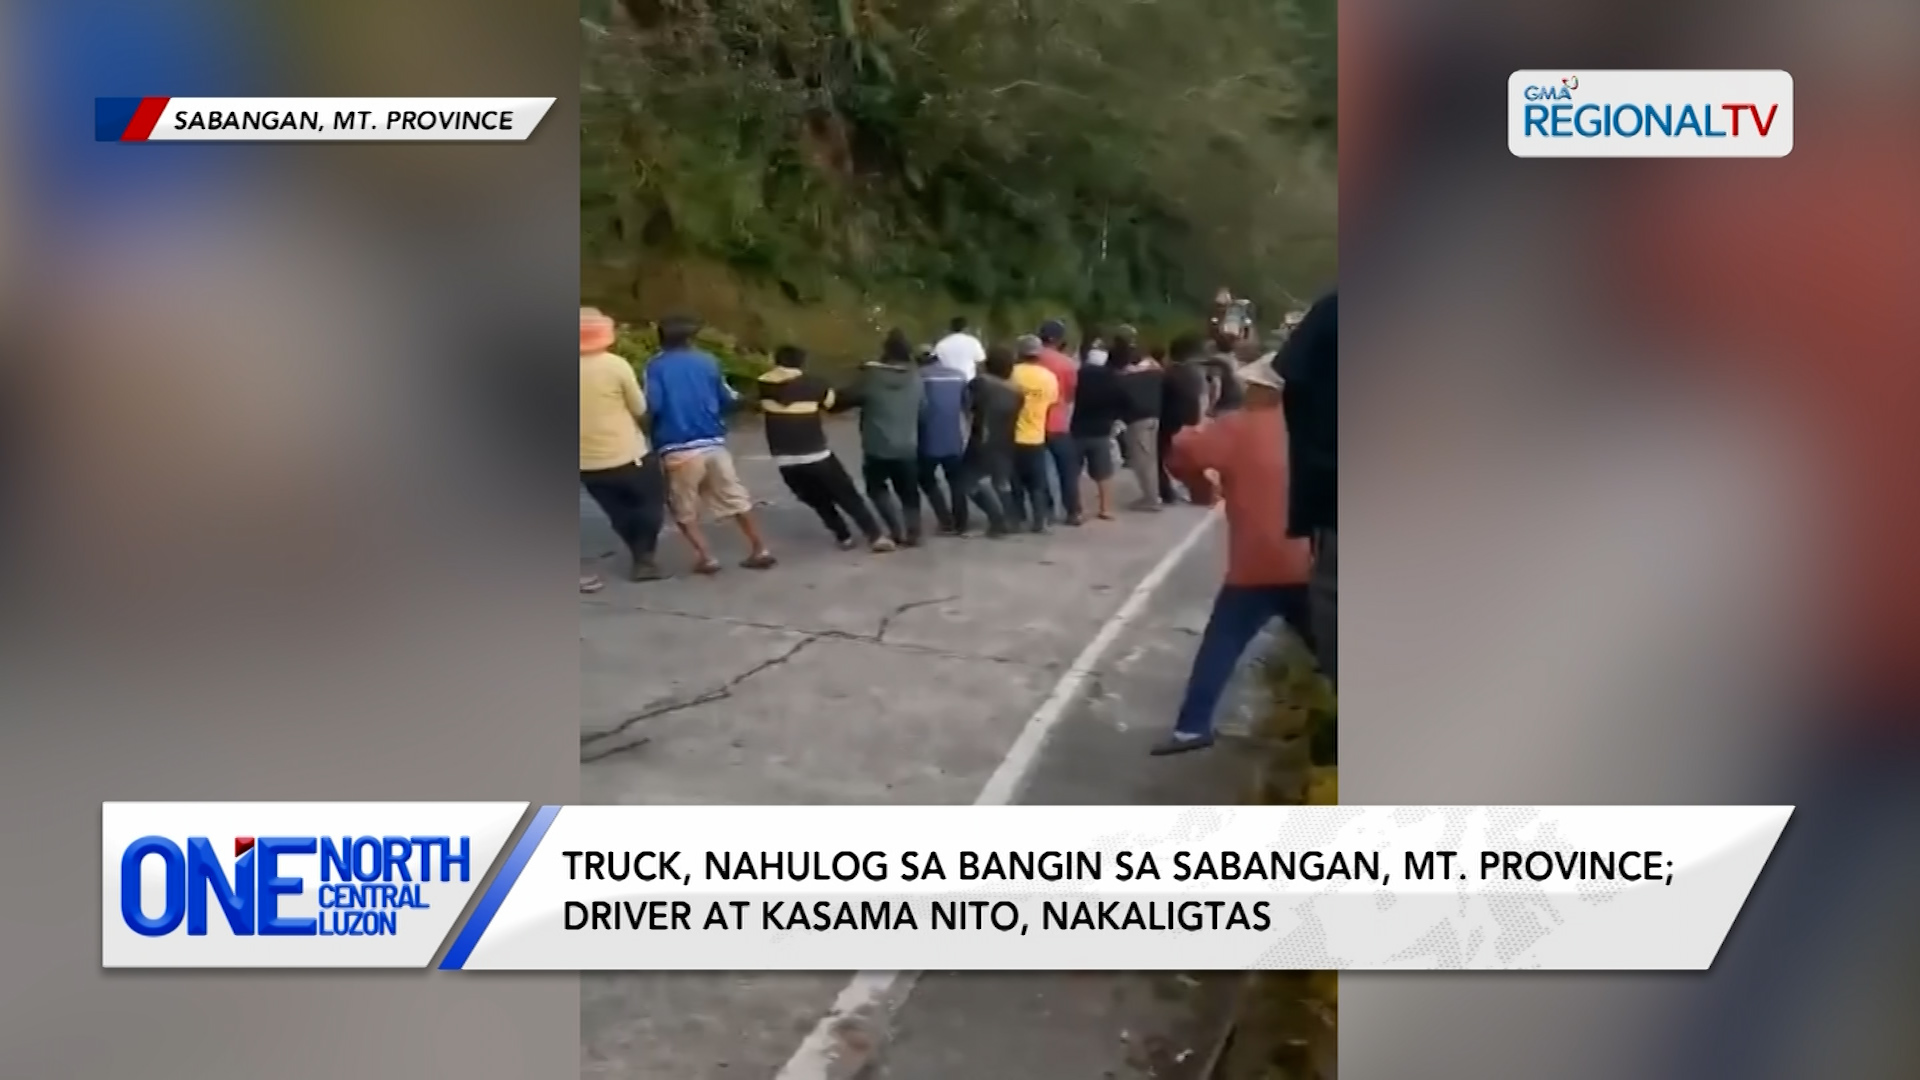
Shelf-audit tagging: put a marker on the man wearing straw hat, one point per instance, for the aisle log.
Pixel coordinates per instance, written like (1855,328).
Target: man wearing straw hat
(616,468)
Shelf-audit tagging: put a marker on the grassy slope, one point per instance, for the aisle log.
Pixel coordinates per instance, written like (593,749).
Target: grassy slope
(1288,1024)
(842,326)
(818,173)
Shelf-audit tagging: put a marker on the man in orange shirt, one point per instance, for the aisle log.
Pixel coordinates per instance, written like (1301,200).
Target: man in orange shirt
(1061,446)
(1266,568)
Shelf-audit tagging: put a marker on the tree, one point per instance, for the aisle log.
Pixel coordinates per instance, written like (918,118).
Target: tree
(1121,158)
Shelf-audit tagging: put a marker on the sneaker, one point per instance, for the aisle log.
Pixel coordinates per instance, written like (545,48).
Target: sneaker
(1075,521)
(881,545)
(645,570)
(911,540)
(846,543)
(1180,742)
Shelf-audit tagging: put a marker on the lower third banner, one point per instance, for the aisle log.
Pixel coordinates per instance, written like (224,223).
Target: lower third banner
(1119,888)
(761,888)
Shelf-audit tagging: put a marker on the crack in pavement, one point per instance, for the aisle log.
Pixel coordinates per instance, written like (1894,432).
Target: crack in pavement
(836,635)
(886,621)
(705,697)
(725,691)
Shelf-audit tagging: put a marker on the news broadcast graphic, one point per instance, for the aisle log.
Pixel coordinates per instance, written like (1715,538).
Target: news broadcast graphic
(1120,888)
(302,119)
(291,885)
(1650,114)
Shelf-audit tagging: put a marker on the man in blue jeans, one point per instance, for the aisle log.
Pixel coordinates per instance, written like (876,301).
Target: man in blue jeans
(1039,392)
(1266,568)
(943,442)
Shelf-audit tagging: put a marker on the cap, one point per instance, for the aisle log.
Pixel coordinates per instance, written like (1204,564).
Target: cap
(1027,347)
(1053,330)
(597,331)
(1261,373)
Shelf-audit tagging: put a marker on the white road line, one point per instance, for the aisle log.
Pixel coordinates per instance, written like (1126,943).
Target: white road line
(872,996)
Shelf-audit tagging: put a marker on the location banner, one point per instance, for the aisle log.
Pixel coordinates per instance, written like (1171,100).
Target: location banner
(952,888)
(306,119)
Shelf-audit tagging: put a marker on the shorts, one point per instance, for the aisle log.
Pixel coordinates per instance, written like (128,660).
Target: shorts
(697,478)
(1097,452)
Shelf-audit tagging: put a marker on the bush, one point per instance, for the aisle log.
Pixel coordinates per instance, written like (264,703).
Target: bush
(1288,1021)
(740,365)
(1114,158)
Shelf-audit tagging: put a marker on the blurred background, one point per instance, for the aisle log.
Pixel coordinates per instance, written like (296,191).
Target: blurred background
(1630,514)
(279,438)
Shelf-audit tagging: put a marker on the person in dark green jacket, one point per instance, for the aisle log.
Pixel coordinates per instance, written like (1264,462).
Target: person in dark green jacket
(888,394)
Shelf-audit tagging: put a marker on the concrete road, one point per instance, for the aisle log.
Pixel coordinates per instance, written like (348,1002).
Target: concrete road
(873,679)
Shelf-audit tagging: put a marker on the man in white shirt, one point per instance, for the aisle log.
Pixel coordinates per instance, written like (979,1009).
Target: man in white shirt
(960,350)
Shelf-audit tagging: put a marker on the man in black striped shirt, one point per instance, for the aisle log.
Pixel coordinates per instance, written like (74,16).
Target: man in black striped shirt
(794,404)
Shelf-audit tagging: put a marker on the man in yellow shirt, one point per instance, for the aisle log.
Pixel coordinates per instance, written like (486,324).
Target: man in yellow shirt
(616,468)
(1039,390)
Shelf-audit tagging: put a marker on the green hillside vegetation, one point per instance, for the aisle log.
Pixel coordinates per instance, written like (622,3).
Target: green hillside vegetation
(1287,1025)
(819,170)
(638,342)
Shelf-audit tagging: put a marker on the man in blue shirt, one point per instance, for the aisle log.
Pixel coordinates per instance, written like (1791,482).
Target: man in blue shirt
(688,400)
(943,440)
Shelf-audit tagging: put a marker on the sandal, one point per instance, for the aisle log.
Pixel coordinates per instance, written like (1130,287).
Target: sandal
(707,567)
(760,560)
(591,583)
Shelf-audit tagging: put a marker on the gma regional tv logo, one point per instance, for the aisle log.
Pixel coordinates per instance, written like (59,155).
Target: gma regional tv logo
(291,884)
(1650,114)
